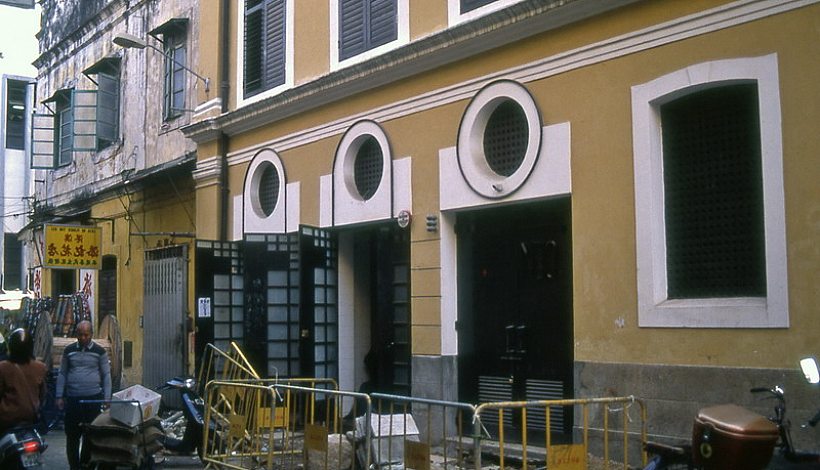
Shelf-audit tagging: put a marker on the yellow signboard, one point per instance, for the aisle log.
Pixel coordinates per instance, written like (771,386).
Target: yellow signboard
(567,457)
(72,247)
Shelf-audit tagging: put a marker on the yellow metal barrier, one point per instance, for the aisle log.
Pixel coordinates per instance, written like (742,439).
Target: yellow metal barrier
(564,455)
(224,365)
(268,424)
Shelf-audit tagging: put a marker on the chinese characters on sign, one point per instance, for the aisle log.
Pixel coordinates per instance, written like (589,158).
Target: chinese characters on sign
(72,247)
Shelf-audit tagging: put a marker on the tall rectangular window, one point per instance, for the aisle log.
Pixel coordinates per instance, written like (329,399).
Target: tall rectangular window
(108,108)
(12,262)
(713,194)
(365,25)
(174,33)
(15,114)
(64,131)
(174,92)
(264,45)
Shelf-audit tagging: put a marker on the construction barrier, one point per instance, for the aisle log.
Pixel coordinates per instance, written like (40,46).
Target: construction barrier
(308,423)
(224,365)
(270,423)
(410,432)
(511,442)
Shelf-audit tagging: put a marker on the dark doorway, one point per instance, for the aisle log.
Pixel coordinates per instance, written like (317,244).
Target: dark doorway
(382,255)
(63,282)
(108,287)
(515,308)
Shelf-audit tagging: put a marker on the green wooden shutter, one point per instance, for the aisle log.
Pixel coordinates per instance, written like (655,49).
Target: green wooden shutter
(382,23)
(252,67)
(108,107)
(470,5)
(352,31)
(275,37)
(42,141)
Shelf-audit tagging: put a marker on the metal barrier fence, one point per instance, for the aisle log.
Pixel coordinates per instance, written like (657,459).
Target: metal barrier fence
(275,424)
(224,365)
(515,418)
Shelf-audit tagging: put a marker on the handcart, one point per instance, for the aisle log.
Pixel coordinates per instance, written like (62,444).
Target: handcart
(109,444)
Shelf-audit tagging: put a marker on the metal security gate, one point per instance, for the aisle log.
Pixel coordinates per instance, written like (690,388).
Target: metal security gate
(163,352)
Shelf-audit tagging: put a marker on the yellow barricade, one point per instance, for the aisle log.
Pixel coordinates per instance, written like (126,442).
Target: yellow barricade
(269,423)
(512,437)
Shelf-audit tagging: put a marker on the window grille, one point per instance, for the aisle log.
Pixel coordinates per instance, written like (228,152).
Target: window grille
(505,138)
(268,190)
(713,194)
(368,168)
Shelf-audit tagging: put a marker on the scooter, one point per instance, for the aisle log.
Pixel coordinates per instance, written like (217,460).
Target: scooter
(193,415)
(730,437)
(21,447)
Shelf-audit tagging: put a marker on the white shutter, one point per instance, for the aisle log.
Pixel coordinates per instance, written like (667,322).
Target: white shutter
(42,141)
(85,120)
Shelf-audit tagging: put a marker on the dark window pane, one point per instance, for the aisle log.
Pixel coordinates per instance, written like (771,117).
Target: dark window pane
(470,5)
(713,196)
(15,114)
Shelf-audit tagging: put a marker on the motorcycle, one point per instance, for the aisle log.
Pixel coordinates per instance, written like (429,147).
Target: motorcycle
(21,448)
(730,437)
(192,417)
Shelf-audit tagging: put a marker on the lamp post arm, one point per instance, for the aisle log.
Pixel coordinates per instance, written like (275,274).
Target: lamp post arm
(176,62)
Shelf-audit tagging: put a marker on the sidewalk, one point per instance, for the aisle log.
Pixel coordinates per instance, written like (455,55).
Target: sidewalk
(55,459)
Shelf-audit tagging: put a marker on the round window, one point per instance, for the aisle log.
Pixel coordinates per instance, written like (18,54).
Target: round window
(499,139)
(368,168)
(268,189)
(506,138)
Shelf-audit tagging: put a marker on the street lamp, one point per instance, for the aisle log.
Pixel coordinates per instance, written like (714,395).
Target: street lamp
(129,41)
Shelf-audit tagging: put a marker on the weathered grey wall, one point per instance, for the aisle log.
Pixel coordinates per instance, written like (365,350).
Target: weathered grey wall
(674,394)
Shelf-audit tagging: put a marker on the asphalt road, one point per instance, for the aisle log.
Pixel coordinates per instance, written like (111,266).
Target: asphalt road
(55,459)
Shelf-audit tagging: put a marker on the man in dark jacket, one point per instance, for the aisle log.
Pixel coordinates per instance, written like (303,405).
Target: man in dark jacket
(22,382)
(85,375)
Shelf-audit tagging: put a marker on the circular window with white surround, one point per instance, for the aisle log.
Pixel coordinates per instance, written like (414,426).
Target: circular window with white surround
(499,139)
(365,155)
(265,184)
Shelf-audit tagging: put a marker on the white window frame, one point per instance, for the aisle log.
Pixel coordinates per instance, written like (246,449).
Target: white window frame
(255,219)
(402,36)
(289,57)
(454,16)
(470,146)
(654,308)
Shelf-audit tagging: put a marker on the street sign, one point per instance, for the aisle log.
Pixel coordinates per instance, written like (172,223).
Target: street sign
(72,247)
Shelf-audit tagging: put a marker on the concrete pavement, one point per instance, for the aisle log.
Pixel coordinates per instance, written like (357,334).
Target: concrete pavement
(55,459)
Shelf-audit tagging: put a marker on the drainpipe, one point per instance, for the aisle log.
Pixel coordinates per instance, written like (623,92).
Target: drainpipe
(224,93)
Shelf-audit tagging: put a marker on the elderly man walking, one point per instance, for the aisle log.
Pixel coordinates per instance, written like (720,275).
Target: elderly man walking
(85,374)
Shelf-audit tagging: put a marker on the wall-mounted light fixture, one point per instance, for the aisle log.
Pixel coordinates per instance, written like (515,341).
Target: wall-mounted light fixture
(129,41)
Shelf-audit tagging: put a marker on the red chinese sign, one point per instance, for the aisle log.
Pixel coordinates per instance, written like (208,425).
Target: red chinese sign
(72,247)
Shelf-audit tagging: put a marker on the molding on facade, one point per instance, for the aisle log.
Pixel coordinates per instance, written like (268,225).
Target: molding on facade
(726,16)
(207,172)
(453,44)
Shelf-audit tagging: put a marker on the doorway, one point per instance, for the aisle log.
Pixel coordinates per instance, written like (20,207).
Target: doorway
(515,307)
(381,276)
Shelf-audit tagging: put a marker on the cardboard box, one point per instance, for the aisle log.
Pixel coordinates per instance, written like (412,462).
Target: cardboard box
(128,412)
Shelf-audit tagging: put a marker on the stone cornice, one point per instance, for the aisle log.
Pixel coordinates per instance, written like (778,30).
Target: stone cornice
(492,31)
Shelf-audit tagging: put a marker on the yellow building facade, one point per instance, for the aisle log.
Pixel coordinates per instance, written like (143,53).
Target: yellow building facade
(475,195)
